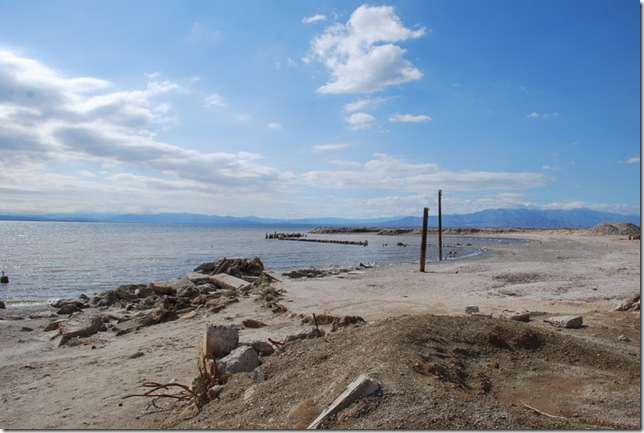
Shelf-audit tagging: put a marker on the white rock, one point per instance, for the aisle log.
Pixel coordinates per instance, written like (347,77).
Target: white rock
(518,316)
(229,282)
(243,359)
(566,321)
(361,387)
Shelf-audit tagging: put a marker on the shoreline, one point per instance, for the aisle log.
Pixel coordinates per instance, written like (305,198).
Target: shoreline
(553,274)
(479,250)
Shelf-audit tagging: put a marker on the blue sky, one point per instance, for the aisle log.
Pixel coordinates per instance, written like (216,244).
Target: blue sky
(318,108)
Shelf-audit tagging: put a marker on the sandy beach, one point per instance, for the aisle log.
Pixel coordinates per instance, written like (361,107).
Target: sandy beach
(553,274)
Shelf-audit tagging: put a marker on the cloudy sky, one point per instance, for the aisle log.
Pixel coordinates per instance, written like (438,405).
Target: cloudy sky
(290,108)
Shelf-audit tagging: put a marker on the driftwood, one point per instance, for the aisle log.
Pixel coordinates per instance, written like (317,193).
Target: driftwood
(204,387)
(185,397)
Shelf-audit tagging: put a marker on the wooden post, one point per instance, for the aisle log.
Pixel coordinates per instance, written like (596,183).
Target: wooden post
(423,241)
(440,227)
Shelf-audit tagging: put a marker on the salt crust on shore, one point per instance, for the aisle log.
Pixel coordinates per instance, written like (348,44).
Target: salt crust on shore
(82,387)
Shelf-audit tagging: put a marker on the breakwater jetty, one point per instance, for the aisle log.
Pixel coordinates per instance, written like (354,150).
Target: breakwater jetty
(302,238)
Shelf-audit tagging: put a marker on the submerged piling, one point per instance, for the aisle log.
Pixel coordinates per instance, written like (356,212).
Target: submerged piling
(323,241)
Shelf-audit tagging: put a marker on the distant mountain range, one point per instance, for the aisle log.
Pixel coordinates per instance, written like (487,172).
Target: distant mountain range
(491,218)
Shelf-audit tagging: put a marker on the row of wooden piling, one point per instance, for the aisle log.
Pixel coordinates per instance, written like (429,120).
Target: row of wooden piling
(284,237)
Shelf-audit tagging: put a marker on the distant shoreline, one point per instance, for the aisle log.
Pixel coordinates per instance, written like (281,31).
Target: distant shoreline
(446,231)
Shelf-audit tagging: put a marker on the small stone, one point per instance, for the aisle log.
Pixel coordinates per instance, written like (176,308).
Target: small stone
(68,309)
(623,338)
(471,309)
(252,323)
(262,347)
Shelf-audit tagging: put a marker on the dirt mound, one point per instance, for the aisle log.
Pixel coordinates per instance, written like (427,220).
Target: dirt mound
(436,372)
(615,228)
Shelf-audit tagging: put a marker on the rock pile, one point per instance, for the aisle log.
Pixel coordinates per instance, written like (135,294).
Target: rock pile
(212,286)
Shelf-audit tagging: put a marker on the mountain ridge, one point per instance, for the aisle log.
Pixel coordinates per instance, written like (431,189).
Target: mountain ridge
(490,218)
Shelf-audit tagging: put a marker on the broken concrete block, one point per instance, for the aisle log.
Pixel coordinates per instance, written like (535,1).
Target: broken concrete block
(198,278)
(566,321)
(243,359)
(145,318)
(363,386)
(518,316)
(171,287)
(80,326)
(229,282)
(218,340)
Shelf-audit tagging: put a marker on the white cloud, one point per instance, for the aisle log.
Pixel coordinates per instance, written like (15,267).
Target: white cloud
(535,115)
(214,100)
(199,34)
(634,160)
(329,147)
(409,118)
(274,125)
(387,173)
(365,103)
(78,123)
(358,121)
(361,55)
(314,18)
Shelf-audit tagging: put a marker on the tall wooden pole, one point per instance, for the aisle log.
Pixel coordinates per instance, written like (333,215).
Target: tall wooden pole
(423,241)
(440,227)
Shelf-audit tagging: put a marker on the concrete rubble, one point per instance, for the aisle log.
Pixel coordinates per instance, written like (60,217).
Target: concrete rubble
(566,321)
(134,306)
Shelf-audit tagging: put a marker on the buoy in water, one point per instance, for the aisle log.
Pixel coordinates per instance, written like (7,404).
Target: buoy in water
(4,279)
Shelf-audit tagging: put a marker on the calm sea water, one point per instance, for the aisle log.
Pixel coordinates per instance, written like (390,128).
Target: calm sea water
(51,260)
